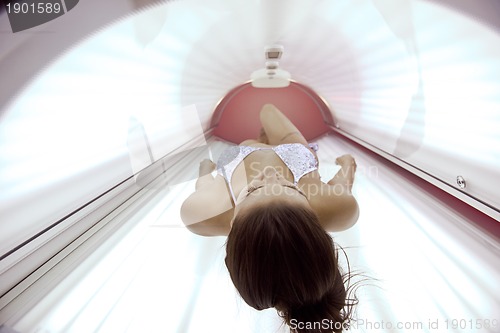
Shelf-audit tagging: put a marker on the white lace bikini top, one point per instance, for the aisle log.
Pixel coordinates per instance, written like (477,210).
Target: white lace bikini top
(297,157)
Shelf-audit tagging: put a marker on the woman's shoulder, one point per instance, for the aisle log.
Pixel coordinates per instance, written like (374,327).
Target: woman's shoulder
(336,209)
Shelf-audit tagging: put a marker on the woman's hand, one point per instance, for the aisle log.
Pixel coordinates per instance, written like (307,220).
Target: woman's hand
(205,173)
(345,176)
(346,161)
(206,167)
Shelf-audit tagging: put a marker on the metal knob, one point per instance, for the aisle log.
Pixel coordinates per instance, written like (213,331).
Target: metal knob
(461,182)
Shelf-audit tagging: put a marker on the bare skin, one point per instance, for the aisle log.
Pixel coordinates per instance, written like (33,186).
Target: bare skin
(262,177)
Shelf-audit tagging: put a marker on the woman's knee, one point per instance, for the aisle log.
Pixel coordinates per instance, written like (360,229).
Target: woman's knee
(268,111)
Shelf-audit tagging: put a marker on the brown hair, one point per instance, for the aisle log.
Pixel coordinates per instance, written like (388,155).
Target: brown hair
(278,255)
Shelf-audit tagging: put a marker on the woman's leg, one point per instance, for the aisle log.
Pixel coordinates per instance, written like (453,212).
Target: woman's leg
(278,128)
(262,140)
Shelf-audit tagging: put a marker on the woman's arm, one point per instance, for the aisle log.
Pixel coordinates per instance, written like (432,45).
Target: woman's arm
(208,210)
(338,209)
(344,178)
